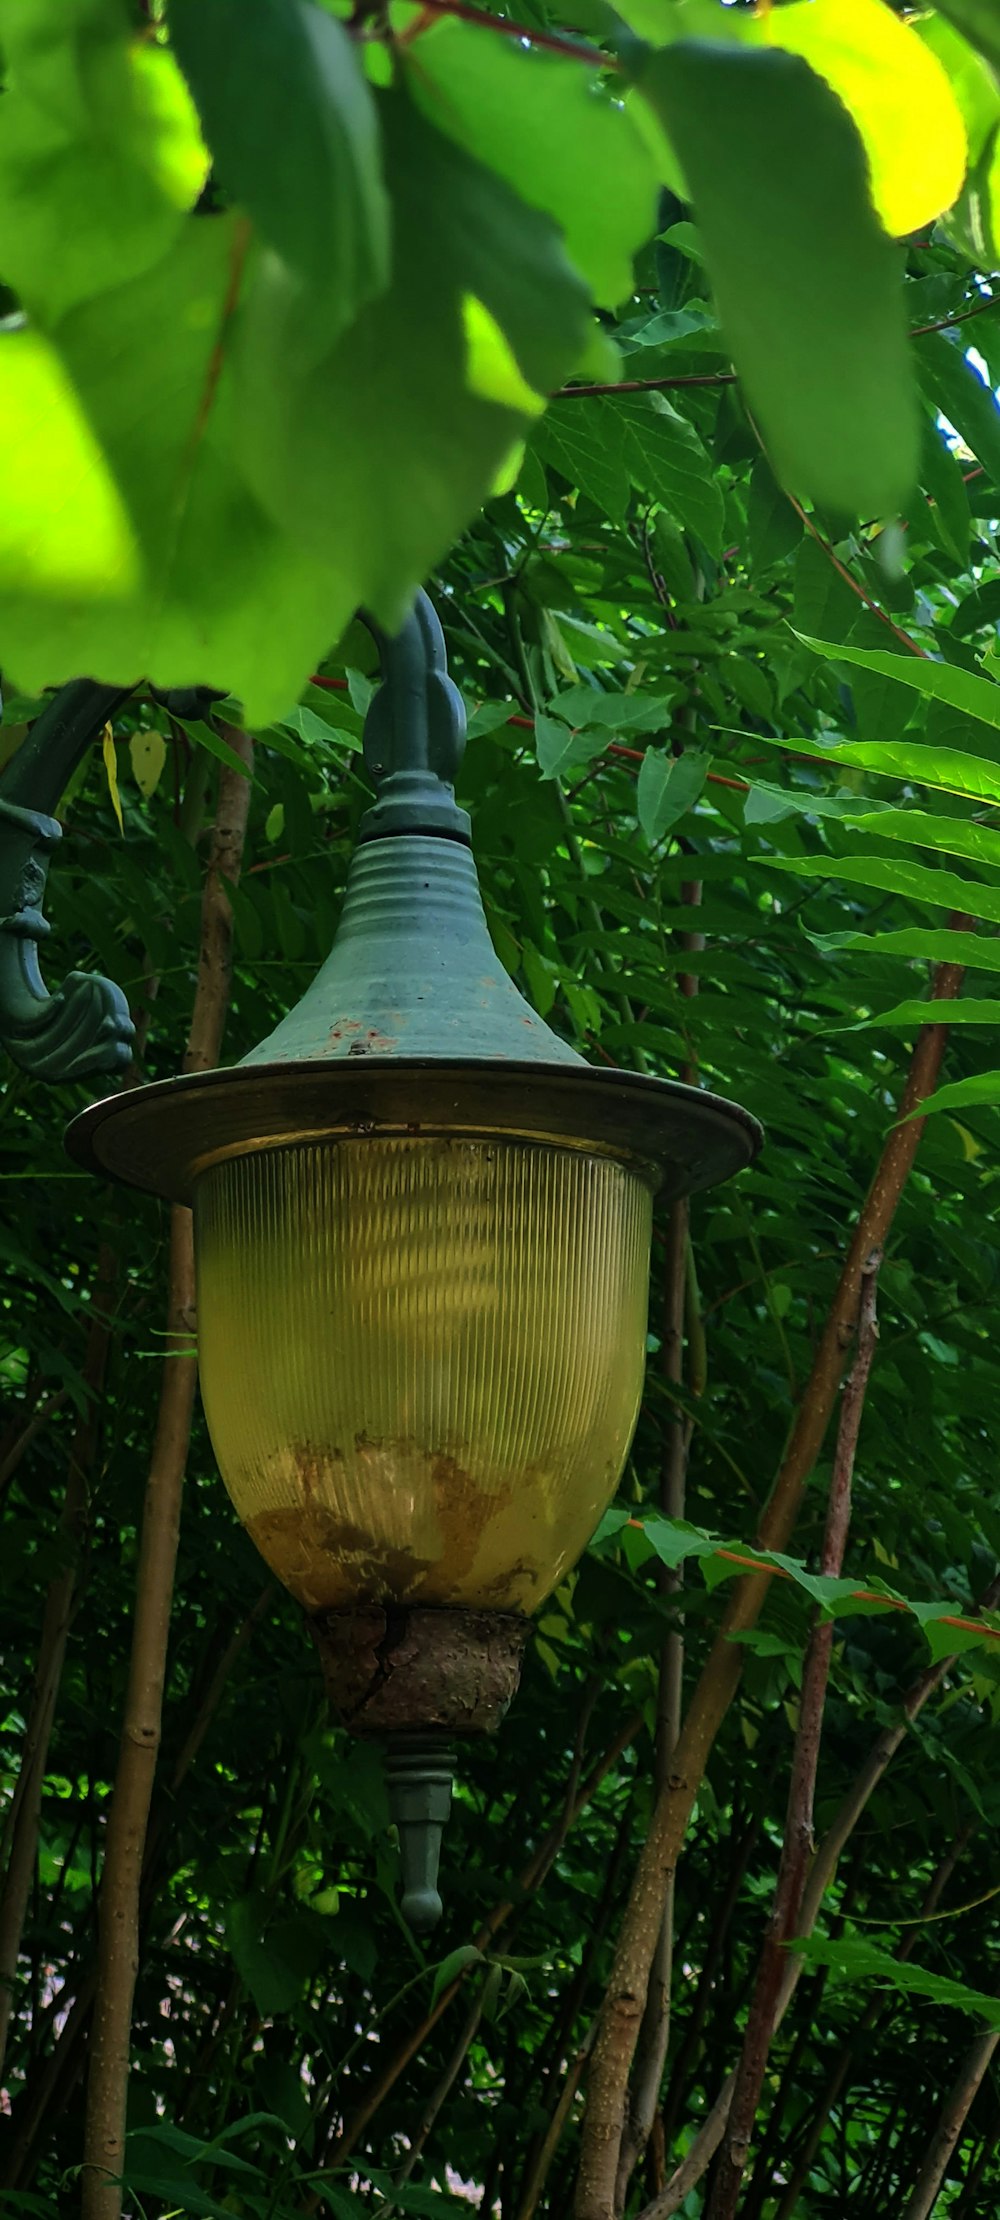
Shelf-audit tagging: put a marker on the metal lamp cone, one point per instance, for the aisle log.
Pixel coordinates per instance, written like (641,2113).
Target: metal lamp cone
(422,1226)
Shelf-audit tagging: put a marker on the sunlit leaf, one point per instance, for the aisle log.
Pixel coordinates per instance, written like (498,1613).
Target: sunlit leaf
(807,283)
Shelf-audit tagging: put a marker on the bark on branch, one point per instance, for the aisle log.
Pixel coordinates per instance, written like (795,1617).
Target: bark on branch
(798,1837)
(623,2005)
(118,1933)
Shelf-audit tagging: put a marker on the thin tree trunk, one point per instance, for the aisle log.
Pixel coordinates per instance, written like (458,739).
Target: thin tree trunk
(745,1847)
(970,2190)
(625,1998)
(19,1851)
(545,2066)
(118,1934)
(529,1880)
(556,2128)
(798,1837)
(439,2096)
(875,2011)
(821,1872)
(20,1442)
(654,2033)
(951,2120)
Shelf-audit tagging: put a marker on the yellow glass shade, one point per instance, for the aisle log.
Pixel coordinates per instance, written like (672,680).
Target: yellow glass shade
(421,1360)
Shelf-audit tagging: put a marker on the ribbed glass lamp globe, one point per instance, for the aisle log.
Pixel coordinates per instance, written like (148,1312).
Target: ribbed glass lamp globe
(421,1360)
(422,1237)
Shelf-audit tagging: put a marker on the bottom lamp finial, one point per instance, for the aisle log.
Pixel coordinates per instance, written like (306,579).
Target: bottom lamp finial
(419,1772)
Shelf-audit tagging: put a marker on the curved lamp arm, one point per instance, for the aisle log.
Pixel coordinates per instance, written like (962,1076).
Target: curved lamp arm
(413,742)
(84,1030)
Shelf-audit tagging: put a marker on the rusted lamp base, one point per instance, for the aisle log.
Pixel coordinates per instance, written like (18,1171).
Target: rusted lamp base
(420,1679)
(395,1669)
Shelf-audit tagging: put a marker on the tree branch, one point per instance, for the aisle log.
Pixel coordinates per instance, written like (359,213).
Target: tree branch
(118,1931)
(615,2044)
(20,1842)
(797,1843)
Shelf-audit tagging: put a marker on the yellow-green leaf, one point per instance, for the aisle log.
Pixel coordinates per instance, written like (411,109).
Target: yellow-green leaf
(897,92)
(148,752)
(111,770)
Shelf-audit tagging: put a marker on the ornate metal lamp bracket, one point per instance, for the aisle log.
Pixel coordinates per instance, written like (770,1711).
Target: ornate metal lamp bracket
(414,739)
(84,1030)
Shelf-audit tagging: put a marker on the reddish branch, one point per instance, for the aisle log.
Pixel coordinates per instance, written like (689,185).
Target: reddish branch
(575,49)
(798,1837)
(854,583)
(821,1873)
(730,377)
(626,1993)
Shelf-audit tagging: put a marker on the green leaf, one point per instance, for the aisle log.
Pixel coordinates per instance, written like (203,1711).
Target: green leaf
(850,1958)
(896,92)
(205,736)
(563,144)
(824,603)
(933,947)
(114,441)
(456,1962)
(665,457)
(273,1976)
(292,124)
(977,610)
(667,787)
(942,480)
(558,745)
(585,442)
(675,1540)
(917,882)
(376,454)
(138,454)
(670,555)
(773,525)
(585,705)
(957,389)
(950,836)
(944,1640)
(908,1015)
(101,156)
(975,697)
(977,20)
(807,284)
(981,1092)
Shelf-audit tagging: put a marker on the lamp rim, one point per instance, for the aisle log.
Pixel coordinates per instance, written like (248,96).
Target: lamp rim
(162,1137)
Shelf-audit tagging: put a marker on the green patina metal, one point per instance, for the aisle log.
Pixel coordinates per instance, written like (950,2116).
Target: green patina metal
(413,1027)
(413,971)
(84,1030)
(419,1772)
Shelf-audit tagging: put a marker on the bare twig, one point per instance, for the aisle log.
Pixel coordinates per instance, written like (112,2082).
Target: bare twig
(615,2045)
(529,1880)
(951,2120)
(21,1441)
(821,1873)
(556,2127)
(18,1852)
(797,1843)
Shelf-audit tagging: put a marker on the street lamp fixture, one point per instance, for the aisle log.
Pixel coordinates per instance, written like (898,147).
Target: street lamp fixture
(422,1234)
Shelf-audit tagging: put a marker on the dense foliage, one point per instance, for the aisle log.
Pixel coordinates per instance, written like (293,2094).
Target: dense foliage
(706,847)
